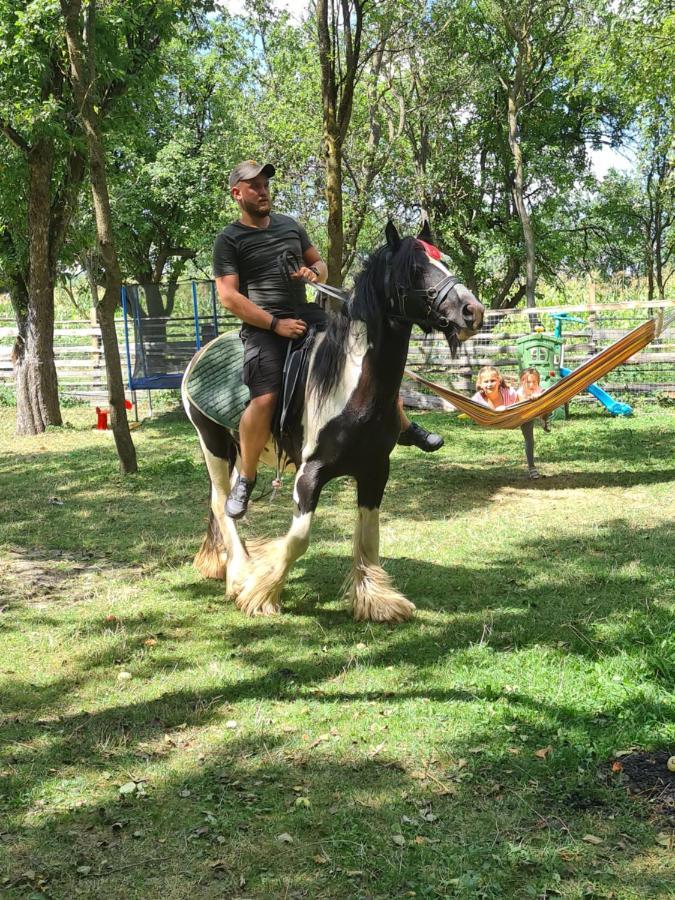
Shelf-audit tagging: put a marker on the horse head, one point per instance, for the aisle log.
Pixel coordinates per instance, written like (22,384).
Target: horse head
(420,289)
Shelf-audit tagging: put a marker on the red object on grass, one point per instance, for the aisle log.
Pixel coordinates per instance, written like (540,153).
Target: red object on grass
(102,415)
(101,419)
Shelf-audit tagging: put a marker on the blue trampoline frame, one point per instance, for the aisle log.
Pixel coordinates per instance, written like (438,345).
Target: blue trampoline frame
(163,380)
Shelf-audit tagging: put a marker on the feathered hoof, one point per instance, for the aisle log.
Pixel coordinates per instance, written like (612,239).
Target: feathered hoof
(373,597)
(253,602)
(211,563)
(262,581)
(232,591)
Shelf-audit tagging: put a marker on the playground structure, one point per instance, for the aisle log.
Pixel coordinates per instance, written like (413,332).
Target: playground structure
(545,353)
(163,327)
(614,407)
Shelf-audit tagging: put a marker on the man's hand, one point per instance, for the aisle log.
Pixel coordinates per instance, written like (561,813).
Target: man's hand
(290,328)
(305,273)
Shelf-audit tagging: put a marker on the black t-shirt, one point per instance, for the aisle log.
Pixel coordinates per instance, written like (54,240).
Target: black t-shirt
(253,255)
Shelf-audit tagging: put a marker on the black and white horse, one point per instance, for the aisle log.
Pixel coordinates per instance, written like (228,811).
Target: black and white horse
(350,426)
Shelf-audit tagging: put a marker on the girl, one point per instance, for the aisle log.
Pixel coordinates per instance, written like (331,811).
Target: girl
(530,384)
(530,387)
(494,392)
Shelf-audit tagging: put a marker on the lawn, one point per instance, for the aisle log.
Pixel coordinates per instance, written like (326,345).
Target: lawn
(156,743)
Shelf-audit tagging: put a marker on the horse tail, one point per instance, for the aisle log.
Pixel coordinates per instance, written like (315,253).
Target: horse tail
(211,559)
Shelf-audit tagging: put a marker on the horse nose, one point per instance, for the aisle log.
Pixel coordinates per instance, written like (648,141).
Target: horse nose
(472,313)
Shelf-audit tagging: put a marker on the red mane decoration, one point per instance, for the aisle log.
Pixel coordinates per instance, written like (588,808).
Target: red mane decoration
(431,251)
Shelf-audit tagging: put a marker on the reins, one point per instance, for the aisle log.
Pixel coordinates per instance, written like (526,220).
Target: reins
(288,262)
(429,300)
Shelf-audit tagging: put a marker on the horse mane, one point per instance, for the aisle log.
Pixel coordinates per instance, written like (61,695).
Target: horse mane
(365,304)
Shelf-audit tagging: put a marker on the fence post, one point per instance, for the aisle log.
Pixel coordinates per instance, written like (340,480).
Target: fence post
(95,350)
(195,307)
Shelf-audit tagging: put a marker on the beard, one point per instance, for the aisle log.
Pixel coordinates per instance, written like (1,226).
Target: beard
(258,210)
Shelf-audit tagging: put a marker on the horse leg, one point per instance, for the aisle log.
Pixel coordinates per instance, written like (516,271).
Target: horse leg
(222,554)
(370,590)
(270,561)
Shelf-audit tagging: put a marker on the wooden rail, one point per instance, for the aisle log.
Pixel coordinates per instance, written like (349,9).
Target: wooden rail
(81,369)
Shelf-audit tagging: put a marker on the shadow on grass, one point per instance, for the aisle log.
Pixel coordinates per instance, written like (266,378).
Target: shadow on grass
(283,816)
(153,516)
(604,602)
(511,820)
(607,609)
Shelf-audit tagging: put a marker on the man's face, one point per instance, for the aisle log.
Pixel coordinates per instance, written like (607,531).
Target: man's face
(253,196)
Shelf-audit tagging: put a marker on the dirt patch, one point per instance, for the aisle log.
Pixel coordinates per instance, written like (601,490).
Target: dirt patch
(38,577)
(645,774)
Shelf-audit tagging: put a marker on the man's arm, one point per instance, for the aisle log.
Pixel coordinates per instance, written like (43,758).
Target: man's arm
(314,269)
(249,312)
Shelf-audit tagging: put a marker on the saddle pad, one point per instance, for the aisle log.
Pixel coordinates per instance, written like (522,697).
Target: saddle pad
(214,382)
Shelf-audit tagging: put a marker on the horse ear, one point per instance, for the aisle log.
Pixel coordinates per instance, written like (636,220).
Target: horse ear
(392,235)
(425,233)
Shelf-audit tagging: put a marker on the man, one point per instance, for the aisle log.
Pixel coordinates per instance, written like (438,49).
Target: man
(273,309)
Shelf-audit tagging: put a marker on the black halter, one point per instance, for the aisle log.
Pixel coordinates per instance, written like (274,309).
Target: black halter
(419,305)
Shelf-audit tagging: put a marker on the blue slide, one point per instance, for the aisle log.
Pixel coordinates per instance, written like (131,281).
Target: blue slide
(614,406)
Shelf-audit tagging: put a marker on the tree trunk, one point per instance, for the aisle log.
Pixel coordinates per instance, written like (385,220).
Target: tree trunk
(340,59)
(37,397)
(649,263)
(519,198)
(658,248)
(83,80)
(335,210)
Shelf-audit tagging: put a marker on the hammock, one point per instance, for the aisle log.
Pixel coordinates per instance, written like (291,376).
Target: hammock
(562,392)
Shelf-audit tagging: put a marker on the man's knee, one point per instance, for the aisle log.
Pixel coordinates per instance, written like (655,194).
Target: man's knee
(265,402)
(260,409)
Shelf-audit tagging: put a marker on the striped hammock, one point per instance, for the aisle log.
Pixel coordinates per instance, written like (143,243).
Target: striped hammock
(562,392)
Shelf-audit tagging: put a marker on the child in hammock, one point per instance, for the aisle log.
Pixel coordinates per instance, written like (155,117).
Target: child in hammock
(493,391)
(530,387)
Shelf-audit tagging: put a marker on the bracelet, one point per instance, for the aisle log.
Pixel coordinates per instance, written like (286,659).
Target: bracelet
(273,324)
(315,270)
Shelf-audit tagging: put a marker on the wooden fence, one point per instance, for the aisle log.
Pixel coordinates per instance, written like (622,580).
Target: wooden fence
(81,370)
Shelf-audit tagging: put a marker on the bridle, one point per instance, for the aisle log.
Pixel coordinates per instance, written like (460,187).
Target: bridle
(419,305)
(422,306)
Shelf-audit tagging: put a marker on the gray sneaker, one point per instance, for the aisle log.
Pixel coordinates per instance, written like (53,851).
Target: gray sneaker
(237,502)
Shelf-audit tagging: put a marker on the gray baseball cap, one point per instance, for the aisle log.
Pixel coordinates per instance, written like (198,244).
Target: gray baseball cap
(248,169)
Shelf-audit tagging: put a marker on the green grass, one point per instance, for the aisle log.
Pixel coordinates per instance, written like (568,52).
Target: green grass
(392,761)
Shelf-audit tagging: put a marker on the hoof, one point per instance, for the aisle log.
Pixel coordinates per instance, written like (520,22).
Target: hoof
(252,604)
(373,597)
(394,610)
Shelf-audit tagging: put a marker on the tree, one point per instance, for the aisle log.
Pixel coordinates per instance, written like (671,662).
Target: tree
(167,178)
(340,29)
(632,54)
(35,121)
(82,56)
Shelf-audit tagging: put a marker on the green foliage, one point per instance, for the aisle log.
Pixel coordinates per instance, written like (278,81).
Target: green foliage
(184,95)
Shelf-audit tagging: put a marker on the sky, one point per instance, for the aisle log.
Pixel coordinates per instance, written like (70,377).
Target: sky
(607,158)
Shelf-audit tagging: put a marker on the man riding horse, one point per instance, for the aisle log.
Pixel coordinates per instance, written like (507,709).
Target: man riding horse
(273,308)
